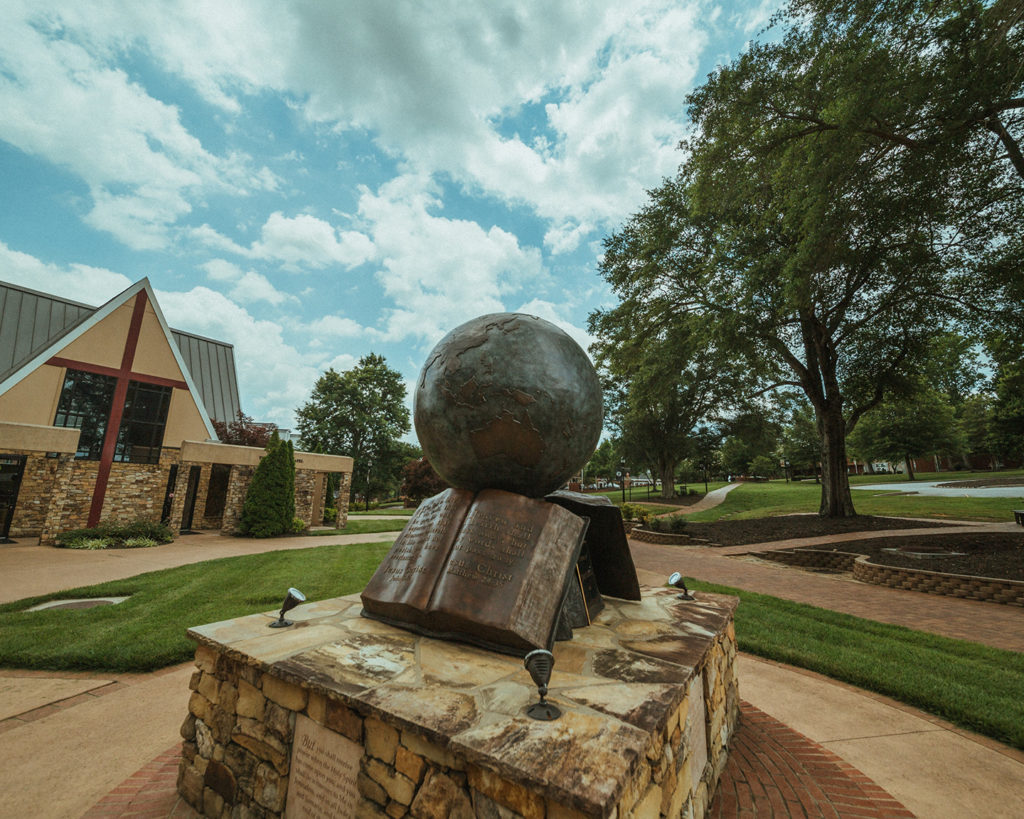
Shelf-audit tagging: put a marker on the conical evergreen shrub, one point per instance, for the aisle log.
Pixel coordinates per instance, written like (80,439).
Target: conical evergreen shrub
(270,501)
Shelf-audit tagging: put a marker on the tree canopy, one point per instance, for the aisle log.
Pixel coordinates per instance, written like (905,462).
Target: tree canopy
(659,385)
(361,413)
(850,190)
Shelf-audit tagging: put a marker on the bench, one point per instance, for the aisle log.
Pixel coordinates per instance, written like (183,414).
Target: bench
(1018,516)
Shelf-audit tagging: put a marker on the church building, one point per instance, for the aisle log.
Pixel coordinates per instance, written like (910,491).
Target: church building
(106,414)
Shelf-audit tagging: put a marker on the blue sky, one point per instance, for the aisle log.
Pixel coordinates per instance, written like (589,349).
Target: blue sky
(314,180)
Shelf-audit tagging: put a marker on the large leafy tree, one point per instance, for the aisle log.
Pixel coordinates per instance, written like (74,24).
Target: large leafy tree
(812,229)
(660,385)
(909,427)
(361,413)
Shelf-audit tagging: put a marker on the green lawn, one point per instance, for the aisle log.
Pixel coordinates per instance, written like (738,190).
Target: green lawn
(972,685)
(147,631)
(397,510)
(758,500)
(362,527)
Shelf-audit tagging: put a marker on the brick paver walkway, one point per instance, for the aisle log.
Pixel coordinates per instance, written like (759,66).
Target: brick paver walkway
(988,623)
(773,772)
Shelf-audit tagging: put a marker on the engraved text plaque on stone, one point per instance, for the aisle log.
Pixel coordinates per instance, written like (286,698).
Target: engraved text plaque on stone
(322,783)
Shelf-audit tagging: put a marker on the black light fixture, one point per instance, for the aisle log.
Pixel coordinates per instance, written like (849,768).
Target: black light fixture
(676,580)
(293,598)
(540,664)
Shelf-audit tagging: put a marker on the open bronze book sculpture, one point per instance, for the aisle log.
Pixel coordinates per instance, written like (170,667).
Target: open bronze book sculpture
(507,408)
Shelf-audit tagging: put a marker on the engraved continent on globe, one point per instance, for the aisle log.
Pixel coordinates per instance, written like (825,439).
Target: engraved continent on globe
(508,401)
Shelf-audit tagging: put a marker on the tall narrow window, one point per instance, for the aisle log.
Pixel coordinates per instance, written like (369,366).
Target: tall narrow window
(142,425)
(84,403)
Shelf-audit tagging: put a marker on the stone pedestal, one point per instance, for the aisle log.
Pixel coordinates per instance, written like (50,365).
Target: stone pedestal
(343,716)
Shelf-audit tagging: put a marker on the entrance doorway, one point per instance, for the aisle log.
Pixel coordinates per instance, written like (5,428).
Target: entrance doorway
(12,467)
(190,499)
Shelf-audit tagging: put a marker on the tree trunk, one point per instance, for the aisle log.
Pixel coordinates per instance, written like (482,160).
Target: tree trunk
(910,468)
(836,501)
(668,480)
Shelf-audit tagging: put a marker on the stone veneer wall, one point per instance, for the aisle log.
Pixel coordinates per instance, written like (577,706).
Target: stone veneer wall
(305,486)
(41,483)
(241,723)
(134,492)
(137,491)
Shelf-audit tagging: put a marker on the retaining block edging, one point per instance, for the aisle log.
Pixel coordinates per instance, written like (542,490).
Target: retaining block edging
(969,587)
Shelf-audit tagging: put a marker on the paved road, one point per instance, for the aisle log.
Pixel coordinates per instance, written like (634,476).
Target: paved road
(936,488)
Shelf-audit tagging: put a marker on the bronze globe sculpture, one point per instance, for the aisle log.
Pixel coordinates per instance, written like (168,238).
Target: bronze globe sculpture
(508,401)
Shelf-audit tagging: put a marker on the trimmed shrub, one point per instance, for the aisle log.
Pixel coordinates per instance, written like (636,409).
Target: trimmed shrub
(675,524)
(298,526)
(87,543)
(115,535)
(330,514)
(269,507)
(139,543)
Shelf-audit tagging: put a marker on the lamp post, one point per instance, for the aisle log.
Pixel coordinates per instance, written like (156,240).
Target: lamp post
(622,480)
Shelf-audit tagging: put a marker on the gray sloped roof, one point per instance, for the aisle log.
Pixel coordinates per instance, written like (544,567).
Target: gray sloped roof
(31,321)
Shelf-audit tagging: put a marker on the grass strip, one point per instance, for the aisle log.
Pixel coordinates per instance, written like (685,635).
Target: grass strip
(388,511)
(147,631)
(972,685)
(362,527)
(760,500)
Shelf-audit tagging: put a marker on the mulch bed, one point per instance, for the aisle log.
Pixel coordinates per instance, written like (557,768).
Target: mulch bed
(984,554)
(786,527)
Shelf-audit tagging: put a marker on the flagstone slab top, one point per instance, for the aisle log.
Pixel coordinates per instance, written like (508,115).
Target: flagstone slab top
(619,683)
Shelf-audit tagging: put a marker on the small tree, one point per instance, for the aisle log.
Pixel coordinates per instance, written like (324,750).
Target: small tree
(419,480)
(244,431)
(269,507)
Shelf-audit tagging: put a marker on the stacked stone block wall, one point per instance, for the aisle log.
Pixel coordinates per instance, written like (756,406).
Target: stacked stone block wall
(39,485)
(305,488)
(137,491)
(238,485)
(993,590)
(344,488)
(241,724)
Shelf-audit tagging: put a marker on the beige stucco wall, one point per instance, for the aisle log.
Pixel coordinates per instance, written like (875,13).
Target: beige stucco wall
(37,438)
(33,400)
(154,356)
(184,420)
(212,452)
(104,343)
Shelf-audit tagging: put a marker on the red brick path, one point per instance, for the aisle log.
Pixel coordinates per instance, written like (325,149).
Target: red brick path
(775,772)
(149,793)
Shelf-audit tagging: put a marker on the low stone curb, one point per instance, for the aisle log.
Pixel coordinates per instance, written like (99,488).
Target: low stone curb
(969,587)
(668,538)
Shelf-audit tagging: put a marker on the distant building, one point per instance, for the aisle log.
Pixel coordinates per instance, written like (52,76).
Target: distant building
(106,414)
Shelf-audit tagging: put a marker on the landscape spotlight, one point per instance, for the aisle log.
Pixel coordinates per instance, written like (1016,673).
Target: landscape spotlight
(293,599)
(677,580)
(540,664)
